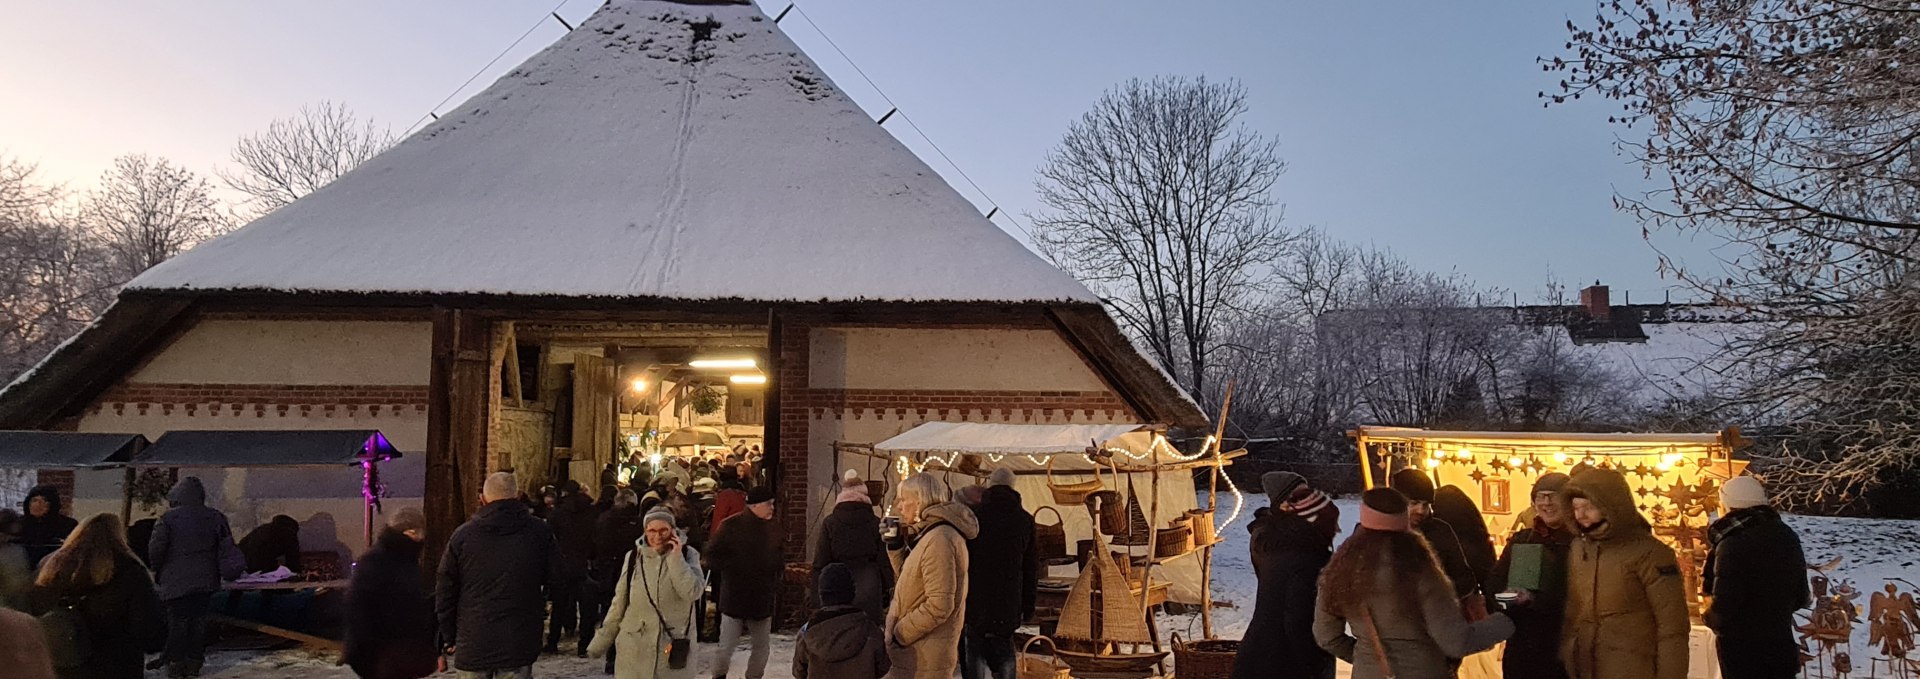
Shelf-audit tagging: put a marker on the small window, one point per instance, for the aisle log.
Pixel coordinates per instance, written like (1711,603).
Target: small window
(1493,496)
(529,355)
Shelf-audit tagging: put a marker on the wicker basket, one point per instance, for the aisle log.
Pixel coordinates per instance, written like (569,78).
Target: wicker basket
(1203,659)
(1201,520)
(1041,667)
(1112,511)
(1071,493)
(1050,540)
(1171,542)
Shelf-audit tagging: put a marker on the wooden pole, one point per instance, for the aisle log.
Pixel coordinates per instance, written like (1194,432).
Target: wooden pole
(457,402)
(1366,466)
(1213,509)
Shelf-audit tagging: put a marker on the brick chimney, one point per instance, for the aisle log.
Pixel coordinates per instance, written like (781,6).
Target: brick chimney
(1597,303)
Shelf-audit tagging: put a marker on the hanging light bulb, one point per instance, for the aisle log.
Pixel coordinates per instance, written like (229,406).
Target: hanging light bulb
(1514,462)
(1464,454)
(1432,463)
(1561,458)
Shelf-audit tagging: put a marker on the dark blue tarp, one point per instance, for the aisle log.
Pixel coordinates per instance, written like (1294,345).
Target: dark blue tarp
(266,448)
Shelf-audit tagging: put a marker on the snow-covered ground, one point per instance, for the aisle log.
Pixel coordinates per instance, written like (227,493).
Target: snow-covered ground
(1872,553)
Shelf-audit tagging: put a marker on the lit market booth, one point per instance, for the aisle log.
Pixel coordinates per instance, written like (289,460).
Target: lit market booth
(1675,479)
(1120,490)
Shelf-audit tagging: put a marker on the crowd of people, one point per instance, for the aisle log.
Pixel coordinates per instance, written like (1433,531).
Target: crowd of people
(1583,589)
(1416,591)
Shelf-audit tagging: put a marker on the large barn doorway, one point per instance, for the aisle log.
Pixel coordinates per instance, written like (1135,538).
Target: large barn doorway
(632,401)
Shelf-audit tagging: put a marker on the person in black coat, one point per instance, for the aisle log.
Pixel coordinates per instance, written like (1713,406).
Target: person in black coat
(272,545)
(1419,490)
(390,623)
(850,535)
(192,552)
(572,520)
(1451,504)
(42,526)
(119,611)
(1757,576)
(746,553)
(491,596)
(1289,550)
(1533,652)
(1003,575)
(614,534)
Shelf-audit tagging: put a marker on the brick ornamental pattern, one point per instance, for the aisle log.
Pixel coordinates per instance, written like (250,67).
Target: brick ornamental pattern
(258,398)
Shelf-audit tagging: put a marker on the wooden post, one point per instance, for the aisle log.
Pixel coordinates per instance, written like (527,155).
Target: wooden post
(457,403)
(1366,466)
(1213,509)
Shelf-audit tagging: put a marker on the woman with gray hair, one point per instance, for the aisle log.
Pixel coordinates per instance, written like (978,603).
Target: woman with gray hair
(930,592)
(650,624)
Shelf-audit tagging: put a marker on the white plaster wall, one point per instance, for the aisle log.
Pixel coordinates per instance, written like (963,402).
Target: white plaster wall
(294,352)
(316,497)
(894,358)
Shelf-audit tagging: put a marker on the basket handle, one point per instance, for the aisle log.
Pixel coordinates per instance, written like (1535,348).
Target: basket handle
(1058,519)
(1175,637)
(1024,648)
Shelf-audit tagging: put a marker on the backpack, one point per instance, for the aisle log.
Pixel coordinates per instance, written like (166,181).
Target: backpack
(68,640)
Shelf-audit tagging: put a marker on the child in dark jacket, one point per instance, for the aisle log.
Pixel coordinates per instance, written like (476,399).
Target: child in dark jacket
(840,642)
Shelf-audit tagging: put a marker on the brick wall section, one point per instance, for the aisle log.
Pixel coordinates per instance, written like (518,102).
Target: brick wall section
(269,394)
(794,363)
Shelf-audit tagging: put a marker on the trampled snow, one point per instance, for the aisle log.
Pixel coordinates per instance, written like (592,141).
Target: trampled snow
(658,150)
(1872,553)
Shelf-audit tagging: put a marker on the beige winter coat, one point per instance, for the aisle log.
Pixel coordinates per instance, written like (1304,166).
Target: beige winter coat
(1626,602)
(1420,629)
(667,584)
(930,595)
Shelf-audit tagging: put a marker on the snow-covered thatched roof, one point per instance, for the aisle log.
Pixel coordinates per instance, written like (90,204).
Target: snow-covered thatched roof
(660,150)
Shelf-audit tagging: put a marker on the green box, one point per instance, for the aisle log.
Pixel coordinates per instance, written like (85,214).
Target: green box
(1523,571)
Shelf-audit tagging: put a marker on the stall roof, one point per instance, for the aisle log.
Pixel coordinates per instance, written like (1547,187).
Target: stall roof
(266,448)
(1571,440)
(64,449)
(1006,439)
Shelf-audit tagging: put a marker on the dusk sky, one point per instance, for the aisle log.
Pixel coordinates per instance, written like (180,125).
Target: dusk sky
(1413,126)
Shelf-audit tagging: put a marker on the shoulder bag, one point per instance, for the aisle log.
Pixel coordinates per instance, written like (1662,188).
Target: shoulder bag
(679,647)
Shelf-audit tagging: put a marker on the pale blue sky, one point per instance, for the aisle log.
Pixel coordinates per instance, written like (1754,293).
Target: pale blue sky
(1413,126)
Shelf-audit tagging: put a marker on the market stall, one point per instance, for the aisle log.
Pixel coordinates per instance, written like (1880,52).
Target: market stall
(1114,503)
(361,449)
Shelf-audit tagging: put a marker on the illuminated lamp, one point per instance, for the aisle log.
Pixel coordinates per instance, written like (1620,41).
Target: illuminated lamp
(1432,463)
(724,363)
(639,385)
(748,379)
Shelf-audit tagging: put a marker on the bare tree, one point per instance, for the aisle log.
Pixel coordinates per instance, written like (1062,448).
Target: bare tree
(146,210)
(1788,128)
(297,155)
(1160,201)
(51,280)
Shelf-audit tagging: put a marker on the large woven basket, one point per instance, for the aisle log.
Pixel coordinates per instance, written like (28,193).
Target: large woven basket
(1203,659)
(1041,667)
(1050,540)
(1172,542)
(1202,522)
(1071,493)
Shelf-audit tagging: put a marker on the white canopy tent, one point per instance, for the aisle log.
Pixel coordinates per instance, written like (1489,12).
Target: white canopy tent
(1139,452)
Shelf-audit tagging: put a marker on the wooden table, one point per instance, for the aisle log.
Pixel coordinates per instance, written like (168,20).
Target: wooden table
(305,639)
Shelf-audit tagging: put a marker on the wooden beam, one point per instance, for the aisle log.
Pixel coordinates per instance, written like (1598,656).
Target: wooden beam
(457,403)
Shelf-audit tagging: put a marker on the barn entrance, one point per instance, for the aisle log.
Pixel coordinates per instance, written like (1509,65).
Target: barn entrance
(631,402)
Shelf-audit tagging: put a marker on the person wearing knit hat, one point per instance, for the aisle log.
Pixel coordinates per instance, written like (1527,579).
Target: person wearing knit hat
(389,610)
(1289,547)
(653,603)
(1001,477)
(1534,650)
(1417,488)
(745,558)
(850,535)
(1755,575)
(1385,607)
(839,641)
(1289,492)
